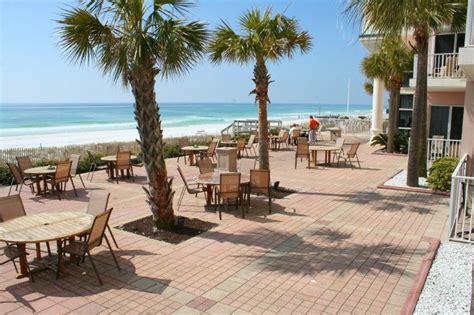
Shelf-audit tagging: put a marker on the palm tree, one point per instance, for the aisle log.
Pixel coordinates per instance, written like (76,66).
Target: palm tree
(264,38)
(134,41)
(390,64)
(422,18)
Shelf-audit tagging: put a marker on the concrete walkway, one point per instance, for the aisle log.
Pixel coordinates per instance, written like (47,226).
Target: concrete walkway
(338,245)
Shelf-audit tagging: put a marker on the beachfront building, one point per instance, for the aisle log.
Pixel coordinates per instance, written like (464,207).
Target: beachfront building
(450,89)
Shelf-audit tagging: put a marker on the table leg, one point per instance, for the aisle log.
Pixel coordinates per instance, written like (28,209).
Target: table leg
(209,194)
(38,185)
(60,257)
(23,262)
(191,158)
(38,251)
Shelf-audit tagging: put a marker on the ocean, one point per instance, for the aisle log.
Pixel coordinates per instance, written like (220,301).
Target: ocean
(32,125)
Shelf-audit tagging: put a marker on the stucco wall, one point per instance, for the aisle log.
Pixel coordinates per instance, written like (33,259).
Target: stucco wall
(446,98)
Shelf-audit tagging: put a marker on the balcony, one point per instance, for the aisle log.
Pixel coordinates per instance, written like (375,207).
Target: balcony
(444,73)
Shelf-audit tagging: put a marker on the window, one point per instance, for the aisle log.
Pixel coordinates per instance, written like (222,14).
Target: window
(446,121)
(405,112)
(449,43)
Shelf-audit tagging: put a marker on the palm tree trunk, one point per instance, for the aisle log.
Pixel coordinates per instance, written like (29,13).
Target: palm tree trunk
(262,80)
(159,191)
(417,150)
(393,115)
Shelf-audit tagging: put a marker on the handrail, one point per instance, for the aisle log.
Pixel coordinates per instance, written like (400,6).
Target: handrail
(444,65)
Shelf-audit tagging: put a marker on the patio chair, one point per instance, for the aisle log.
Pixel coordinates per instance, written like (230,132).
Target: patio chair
(97,204)
(74,158)
(319,135)
(183,142)
(260,185)
(12,252)
(250,147)
(94,166)
(302,151)
(24,163)
(282,140)
(60,178)
(229,189)
(94,239)
(211,150)
(246,165)
(205,166)
(124,163)
(112,149)
(226,137)
(295,134)
(19,180)
(340,146)
(350,155)
(191,188)
(240,147)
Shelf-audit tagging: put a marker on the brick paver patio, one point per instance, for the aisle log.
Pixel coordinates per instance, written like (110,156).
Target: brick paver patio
(338,245)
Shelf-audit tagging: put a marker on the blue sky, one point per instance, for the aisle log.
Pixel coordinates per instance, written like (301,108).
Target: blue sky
(33,69)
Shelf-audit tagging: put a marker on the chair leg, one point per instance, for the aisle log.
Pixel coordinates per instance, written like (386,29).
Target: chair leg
(112,252)
(21,187)
(112,235)
(180,198)
(82,181)
(11,186)
(269,200)
(48,248)
(95,268)
(59,257)
(73,186)
(133,175)
(92,174)
(358,162)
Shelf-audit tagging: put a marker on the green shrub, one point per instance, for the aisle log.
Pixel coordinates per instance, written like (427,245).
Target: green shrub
(5,175)
(440,172)
(380,139)
(401,142)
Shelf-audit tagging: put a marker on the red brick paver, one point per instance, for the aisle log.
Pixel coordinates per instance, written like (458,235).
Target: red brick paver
(338,245)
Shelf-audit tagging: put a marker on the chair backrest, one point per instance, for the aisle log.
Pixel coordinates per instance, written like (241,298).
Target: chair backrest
(112,149)
(24,163)
(240,144)
(229,186)
(302,148)
(63,171)
(251,140)
(295,133)
(260,181)
(226,138)
(74,158)
(211,149)
(98,228)
(183,178)
(281,133)
(205,166)
(339,143)
(284,138)
(11,207)
(183,142)
(246,165)
(15,173)
(98,202)
(123,159)
(353,150)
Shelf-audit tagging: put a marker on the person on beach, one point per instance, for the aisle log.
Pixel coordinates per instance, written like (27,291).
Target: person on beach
(313,125)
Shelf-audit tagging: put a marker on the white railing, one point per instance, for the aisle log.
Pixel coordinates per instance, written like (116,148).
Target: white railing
(350,125)
(460,221)
(438,148)
(238,127)
(444,66)
(469,40)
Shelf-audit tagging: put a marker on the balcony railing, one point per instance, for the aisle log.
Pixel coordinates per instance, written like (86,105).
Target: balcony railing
(444,66)
(438,148)
(460,221)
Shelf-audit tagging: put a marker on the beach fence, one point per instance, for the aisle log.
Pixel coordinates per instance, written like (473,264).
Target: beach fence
(349,125)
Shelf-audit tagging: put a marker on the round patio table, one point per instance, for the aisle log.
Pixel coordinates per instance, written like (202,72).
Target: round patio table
(44,227)
(191,150)
(327,150)
(214,179)
(40,174)
(110,160)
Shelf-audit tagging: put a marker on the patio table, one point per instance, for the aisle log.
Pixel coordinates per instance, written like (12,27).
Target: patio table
(44,227)
(40,174)
(110,160)
(231,143)
(328,148)
(191,150)
(213,179)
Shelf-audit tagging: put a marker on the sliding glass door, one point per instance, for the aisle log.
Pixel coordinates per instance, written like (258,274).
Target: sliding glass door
(446,121)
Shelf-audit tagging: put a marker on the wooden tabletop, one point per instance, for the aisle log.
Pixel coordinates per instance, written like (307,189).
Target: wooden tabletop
(198,148)
(45,227)
(323,148)
(215,178)
(113,158)
(41,170)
